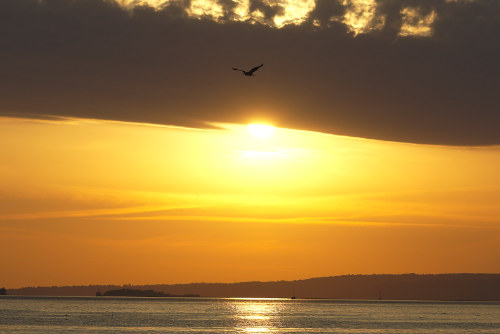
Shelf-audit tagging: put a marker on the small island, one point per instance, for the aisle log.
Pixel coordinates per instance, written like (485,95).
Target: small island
(140,293)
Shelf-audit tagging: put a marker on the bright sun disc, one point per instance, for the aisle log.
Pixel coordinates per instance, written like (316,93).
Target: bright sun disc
(261,130)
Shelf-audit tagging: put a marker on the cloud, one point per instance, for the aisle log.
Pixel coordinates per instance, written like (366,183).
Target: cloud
(413,71)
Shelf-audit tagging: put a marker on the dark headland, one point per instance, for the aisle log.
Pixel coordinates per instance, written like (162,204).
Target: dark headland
(140,293)
(451,287)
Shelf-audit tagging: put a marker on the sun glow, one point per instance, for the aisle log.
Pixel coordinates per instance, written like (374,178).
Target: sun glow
(261,130)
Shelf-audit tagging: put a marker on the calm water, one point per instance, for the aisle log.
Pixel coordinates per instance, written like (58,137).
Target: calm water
(207,315)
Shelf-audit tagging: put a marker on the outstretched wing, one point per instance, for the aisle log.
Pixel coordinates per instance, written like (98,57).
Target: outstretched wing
(237,69)
(255,68)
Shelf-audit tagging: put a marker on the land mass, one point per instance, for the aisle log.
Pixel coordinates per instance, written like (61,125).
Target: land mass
(140,293)
(453,287)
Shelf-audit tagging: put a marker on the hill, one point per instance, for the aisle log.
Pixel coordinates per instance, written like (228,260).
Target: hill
(456,287)
(140,293)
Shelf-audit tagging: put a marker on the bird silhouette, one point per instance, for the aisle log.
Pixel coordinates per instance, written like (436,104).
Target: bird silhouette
(249,73)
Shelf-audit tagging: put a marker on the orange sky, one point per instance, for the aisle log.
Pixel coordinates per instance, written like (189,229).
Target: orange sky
(97,202)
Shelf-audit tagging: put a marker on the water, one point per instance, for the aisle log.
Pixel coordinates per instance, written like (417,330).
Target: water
(218,315)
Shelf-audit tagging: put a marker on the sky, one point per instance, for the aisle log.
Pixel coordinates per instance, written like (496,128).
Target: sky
(126,155)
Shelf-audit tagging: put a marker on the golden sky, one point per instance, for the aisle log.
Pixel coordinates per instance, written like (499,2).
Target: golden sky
(87,201)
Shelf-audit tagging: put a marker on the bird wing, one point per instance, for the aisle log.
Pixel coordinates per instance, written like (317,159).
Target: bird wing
(237,69)
(255,68)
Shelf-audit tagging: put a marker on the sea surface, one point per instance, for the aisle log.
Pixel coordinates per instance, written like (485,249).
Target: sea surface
(222,315)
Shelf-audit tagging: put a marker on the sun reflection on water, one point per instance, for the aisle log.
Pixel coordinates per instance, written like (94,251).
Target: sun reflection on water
(256,315)
(257,330)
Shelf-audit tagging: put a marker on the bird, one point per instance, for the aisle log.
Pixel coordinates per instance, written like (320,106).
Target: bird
(249,73)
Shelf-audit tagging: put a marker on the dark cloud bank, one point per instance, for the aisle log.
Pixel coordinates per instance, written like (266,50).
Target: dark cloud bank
(92,58)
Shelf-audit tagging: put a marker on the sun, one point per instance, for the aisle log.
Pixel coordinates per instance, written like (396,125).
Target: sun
(261,130)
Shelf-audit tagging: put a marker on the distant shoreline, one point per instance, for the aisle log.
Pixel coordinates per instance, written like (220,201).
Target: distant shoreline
(202,298)
(139,293)
(411,287)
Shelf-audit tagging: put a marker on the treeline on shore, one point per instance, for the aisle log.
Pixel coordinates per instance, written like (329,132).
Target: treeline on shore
(453,287)
(139,293)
